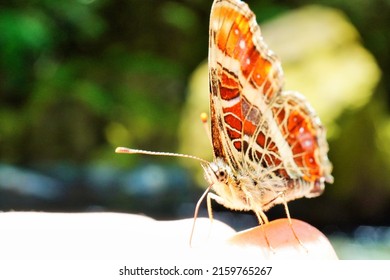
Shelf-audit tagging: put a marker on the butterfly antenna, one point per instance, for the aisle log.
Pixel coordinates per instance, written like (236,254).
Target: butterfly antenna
(122,150)
(204,119)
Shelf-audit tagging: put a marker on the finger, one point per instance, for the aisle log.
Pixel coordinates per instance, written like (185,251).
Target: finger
(312,243)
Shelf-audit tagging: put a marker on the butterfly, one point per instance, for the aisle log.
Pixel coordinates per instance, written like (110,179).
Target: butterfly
(269,145)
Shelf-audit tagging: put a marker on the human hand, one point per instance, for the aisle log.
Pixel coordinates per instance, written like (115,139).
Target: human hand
(33,235)
(219,241)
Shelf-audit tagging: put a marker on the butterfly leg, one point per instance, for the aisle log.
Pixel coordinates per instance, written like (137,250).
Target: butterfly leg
(291,225)
(263,220)
(282,194)
(206,192)
(259,214)
(209,196)
(217,199)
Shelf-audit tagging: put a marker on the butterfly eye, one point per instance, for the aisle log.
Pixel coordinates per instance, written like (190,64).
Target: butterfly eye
(221,176)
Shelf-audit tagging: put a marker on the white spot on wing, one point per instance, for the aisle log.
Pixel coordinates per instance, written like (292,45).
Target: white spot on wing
(242,44)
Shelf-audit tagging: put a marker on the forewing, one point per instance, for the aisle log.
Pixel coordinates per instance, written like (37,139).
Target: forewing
(245,79)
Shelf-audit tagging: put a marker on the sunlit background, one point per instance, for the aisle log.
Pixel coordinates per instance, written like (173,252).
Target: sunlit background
(79,78)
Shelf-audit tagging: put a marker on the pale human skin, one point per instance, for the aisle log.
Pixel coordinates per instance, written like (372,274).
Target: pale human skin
(105,236)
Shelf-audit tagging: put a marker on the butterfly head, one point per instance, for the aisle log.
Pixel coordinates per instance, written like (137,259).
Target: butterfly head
(218,172)
(226,185)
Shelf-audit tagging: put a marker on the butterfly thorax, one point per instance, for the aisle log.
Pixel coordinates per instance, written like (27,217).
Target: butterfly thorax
(255,191)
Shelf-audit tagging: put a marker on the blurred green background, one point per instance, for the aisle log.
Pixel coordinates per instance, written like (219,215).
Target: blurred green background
(79,78)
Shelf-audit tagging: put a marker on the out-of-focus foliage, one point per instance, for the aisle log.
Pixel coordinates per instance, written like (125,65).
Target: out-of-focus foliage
(80,77)
(331,67)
